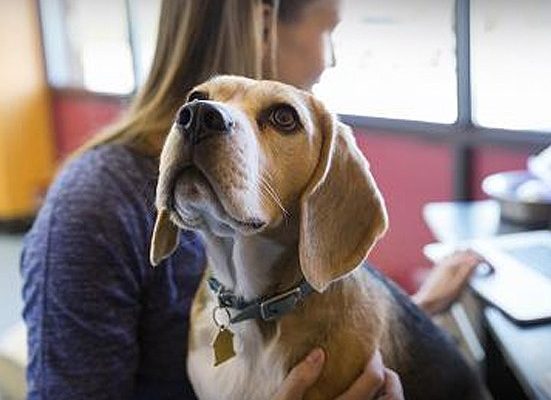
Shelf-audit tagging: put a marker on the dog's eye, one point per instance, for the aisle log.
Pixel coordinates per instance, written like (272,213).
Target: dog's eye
(284,117)
(197,95)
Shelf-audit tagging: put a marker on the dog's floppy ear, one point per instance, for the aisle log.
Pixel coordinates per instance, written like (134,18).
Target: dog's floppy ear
(165,238)
(342,211)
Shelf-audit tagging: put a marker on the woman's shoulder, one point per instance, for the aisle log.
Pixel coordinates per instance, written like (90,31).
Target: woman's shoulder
(106,188)
(106,174)
(105,196)
(106,165)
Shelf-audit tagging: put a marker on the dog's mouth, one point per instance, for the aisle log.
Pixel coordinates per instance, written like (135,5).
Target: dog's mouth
(196,205)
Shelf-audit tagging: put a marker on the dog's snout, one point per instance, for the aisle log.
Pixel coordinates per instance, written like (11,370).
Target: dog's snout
(202,119)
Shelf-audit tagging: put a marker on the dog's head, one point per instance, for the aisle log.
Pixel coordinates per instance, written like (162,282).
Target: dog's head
(244,155)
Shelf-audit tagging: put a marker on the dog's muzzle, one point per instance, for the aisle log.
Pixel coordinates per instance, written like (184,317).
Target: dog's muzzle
(202,119)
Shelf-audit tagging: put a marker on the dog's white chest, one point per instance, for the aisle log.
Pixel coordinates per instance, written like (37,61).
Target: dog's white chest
(255,373)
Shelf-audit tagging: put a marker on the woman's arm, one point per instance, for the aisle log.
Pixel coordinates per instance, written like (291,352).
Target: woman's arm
(83,281)
(81,309)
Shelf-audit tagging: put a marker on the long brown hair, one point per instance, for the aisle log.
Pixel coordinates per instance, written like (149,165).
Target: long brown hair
(197,39)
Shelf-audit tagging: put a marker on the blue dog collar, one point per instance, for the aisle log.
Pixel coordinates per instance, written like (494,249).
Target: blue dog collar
(267,308)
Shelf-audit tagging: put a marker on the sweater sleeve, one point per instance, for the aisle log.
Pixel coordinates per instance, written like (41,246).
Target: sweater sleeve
(82,290)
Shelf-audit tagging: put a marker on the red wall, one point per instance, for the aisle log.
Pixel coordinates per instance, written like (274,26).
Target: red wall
(489,160)
(77,117)
(409,171)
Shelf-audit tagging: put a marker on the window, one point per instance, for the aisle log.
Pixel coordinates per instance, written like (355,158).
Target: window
(144,19)
(88,43)
(511,64)
(395,59)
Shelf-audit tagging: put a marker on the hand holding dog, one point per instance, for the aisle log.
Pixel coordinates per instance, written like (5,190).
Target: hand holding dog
(376,382)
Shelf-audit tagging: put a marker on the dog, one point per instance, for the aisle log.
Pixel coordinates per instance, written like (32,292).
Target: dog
(288,210)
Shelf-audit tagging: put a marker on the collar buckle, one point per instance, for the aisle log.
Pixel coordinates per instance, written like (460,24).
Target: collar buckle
(280,304)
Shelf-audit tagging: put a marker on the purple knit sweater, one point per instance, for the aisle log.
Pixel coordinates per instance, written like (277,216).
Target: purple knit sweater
(102,323)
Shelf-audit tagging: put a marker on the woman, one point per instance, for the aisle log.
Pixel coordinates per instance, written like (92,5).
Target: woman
(102,323)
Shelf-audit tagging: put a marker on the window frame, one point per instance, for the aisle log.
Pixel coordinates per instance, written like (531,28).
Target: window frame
(462,137)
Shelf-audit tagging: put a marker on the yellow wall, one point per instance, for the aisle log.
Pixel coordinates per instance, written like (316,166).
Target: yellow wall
(26,134)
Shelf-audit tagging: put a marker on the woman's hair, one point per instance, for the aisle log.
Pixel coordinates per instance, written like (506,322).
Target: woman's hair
(291,10)
(197,39)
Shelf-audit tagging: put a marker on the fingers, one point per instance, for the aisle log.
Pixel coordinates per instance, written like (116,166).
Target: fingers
(470,257)
(301,377)
(392,389)
(462,259)
(467,261)
(458,267)
(369,383)
(375,382)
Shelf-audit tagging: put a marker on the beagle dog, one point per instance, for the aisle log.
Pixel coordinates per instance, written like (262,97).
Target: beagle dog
(288,210)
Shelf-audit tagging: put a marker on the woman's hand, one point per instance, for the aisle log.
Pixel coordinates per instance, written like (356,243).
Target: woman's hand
(446,281)
(375,383)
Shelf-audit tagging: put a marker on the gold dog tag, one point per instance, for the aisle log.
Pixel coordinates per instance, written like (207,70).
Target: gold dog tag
(223,346)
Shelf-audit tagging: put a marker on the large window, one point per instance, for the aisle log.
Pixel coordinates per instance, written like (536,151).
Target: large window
(91,44)
(511,63)
(396,59)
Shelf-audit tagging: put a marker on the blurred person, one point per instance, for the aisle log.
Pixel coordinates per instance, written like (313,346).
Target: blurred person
(102,323)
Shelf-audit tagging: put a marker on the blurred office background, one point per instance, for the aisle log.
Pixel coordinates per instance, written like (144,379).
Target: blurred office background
(440,93)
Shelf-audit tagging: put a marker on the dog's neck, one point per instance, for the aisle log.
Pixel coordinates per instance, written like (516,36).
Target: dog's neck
(257,265)
(264,265)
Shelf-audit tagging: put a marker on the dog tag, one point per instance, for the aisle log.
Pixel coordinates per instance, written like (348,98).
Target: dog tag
(223,346)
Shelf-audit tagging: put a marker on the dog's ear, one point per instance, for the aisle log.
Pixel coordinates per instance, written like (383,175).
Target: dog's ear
(165,238)
(342,211)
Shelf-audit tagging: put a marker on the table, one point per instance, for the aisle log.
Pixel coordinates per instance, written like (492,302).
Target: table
(525,351)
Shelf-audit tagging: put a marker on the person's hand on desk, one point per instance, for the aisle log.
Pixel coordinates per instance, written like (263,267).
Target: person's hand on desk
(446,281)
(375,383)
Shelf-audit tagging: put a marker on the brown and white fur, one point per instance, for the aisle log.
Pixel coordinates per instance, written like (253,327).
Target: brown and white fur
(283,194)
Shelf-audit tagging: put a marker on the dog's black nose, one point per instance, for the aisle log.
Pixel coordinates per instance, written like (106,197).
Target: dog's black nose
(202,119)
